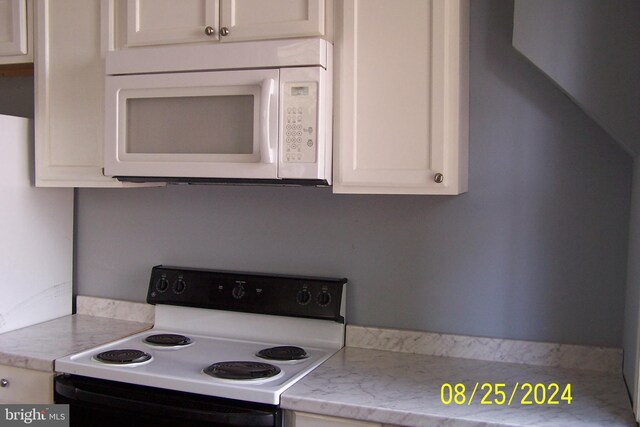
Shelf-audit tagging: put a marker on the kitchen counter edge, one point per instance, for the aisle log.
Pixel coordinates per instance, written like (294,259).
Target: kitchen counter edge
(38,346)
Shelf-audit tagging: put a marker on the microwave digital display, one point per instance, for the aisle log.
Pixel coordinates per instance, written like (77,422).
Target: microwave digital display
(300,91)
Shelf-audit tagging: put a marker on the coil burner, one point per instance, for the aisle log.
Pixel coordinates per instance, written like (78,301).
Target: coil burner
(285,352)
(168,340)
(242,370)
(123,357)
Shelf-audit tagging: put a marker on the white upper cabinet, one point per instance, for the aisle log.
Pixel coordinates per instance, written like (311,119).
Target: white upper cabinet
(154,22)
(69,94)
(69,85)
(16,30)
(149,22)
(72,40)
(273,19)
(401,97)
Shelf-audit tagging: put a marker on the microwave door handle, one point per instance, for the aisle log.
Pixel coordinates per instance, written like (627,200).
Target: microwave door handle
(267,150)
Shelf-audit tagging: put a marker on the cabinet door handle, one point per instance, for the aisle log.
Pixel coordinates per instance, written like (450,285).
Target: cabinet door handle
(208,30)
(438,178)
(4,382)
(224,31)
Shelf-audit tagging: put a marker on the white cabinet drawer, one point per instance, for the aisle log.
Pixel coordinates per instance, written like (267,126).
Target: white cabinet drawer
(301,419)
(25,386)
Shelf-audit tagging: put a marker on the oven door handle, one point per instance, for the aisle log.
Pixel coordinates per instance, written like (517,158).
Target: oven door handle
(231,419)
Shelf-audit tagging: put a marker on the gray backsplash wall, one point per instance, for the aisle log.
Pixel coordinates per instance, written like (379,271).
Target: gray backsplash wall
(16,96)
(535,250)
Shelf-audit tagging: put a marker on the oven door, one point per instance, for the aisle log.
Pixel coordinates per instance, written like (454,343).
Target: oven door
(219,124)
(100,403)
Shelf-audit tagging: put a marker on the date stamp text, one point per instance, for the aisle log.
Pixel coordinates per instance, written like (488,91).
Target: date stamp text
(505,394)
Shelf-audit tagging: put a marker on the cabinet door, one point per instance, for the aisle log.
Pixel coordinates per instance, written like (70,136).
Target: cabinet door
(401,97)
(69,94)
(25,386)
(69,81)
(15,24)
(150,22)
(259,19)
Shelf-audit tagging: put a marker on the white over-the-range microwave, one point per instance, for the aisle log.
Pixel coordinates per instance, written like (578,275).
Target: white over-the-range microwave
(246,112)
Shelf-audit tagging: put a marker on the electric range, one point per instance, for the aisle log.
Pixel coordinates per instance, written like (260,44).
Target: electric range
(224,347)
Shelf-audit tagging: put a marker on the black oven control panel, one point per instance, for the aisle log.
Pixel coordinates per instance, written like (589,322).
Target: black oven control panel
(280,295)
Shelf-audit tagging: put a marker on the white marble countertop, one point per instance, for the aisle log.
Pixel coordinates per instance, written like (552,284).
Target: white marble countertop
(37,346)
(404,389)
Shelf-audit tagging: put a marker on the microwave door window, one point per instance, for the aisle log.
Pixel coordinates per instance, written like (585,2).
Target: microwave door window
(194,125)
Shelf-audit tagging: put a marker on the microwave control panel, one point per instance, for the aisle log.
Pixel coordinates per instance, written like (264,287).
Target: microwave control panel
(300,122)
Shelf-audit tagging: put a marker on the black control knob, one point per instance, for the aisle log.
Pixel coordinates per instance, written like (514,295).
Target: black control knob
(162,284)
(179,286)
(323,299)
(303,297)
(238,291)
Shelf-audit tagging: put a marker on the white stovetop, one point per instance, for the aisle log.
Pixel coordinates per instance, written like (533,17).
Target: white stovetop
(181,369)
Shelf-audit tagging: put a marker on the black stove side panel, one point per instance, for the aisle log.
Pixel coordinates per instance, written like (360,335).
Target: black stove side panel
(280,295)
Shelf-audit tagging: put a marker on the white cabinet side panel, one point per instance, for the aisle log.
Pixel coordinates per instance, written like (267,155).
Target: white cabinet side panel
(37,236)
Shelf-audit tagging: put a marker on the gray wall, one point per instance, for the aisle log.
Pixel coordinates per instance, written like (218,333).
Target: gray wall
(535,250)
(631,318)
(591,49)
(16,96)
